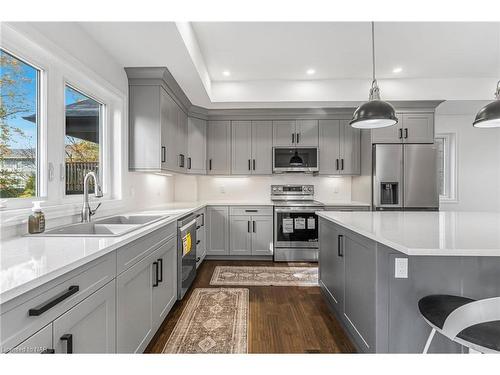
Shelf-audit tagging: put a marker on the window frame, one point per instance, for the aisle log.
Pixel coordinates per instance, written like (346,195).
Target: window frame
(451,167)
(104,148)
(41,154)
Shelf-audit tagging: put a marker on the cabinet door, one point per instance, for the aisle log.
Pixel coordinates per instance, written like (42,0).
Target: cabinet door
(182,128)
(219,147)
(262,147)
(241,146)
(217,230)
(284,133)
(197,146)
(262,235)
(331,263)
(240,235)
(329,147)
(307,133)
(359,297)
(89,327)
(170,128)
(165,294)
(40,342)
(350,149)
(134,299)
(389,134)
(144,133)
(418,128)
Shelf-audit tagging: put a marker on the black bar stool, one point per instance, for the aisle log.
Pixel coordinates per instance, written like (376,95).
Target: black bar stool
(474,324)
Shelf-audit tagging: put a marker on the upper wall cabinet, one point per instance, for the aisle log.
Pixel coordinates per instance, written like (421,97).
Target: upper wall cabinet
(251,147)
(339,148)
(411,128)
(219,147)
(295,133)
(197,146)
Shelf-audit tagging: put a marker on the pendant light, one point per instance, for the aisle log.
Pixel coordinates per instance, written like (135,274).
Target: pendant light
(375,113)
(489,115)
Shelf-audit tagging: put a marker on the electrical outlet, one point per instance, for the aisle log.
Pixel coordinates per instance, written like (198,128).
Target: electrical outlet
(401,268)
(222,189)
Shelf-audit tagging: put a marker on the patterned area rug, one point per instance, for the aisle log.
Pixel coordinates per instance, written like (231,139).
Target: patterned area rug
(213,321)
(260,276)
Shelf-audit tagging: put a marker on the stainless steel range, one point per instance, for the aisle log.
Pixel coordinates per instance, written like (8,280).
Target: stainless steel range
(295,223)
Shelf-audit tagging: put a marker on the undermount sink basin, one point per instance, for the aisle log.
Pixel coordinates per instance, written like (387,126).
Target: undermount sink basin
(112,226)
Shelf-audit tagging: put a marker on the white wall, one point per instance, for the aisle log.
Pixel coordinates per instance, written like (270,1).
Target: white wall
(478,157)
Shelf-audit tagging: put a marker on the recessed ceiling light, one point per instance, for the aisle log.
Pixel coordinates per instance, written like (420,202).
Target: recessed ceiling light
(397,69)
(226,73)
(310,72)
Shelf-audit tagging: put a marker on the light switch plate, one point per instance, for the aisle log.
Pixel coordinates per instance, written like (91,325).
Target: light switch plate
(401,268)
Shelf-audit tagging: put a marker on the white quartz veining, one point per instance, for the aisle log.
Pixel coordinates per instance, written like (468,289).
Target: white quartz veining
(426,233)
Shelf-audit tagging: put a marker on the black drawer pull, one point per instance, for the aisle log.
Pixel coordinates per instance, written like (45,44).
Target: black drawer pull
(39,310)
(69,342)
(198,227)
(160,263)
(48,351)
(251,210)
(340,244)
(198,242)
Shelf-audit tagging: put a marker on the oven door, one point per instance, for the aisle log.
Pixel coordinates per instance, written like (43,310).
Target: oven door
(295,227)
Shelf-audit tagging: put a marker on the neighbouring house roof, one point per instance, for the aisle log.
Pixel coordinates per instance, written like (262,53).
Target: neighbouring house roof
(82,119)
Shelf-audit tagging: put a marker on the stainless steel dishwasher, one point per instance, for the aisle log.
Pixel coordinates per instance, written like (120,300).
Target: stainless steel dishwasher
(186,254)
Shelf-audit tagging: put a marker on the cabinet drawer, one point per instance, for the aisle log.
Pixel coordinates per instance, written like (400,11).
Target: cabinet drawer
(38,343)
(250,210)
(130,254)
(17,324)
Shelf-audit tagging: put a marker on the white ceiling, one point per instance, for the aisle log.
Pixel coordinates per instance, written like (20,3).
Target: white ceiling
(268,61)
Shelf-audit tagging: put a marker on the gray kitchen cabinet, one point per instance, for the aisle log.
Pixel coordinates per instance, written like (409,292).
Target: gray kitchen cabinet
(165,293)
(331,264)
(359,288)
(219,147)
(240,234)
(37,343)
(339,148)
(181,140)
(89,327)
(306,133)
(201,242)
(251,147)
(196,146)
(295,133)
(411,128)
(218,230)
(262,235)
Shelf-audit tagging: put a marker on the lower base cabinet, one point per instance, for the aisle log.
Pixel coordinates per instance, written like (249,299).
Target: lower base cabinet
(40,342)
(89,327)
(165,294)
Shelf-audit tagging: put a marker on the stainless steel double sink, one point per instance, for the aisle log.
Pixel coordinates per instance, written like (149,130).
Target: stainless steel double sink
(112,226)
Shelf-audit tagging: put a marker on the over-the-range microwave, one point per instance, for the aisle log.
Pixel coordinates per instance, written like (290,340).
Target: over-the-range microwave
(295,159)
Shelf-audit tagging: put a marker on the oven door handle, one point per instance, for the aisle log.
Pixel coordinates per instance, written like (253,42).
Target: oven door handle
(292,209)
(186,227)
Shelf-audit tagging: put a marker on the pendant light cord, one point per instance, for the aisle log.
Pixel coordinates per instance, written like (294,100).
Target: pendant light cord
(374,91)
(373,49)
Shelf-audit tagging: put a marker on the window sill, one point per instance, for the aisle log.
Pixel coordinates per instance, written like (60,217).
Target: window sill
(18,216)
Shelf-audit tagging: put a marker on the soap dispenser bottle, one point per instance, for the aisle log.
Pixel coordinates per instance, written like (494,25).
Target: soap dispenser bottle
(36,221)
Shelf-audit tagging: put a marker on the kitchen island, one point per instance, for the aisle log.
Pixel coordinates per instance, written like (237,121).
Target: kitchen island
(375,266)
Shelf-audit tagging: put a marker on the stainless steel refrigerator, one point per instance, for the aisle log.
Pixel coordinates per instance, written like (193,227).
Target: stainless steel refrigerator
(405,177)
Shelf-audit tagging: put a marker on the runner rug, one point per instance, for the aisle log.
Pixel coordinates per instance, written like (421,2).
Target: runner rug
(214,321)
(265,276)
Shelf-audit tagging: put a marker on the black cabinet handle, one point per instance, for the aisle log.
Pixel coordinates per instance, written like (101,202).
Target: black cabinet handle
(337,164)
(156,274)
(160,265)
(249,168)
(248,226)
(69,342)
(293,137)
(39,310)
(298,137)
(251,210)
(48,351)
(400,133)
(198,242)
(254,164)
(163,154)
(340,244)
(189,162)
(342,164)
(210,164)
(253,226)
(198,259)
(406,133)
(198,227)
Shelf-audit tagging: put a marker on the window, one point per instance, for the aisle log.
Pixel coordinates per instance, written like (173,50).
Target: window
(447,165)
(82,144)
(19,128)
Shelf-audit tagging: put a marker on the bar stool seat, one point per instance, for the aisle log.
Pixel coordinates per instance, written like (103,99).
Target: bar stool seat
(474,324)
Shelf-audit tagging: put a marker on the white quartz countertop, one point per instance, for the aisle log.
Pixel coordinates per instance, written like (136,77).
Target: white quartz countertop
(426,233)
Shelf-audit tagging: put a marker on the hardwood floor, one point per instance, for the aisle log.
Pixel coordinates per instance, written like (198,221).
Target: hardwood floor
(281,319)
